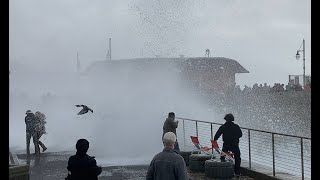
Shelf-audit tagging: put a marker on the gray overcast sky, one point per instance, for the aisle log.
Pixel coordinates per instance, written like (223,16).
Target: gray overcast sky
(262,36)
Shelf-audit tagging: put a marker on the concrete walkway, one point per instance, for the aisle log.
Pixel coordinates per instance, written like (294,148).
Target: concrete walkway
(53,166)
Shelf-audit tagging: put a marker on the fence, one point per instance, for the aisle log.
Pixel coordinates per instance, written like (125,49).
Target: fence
(262,150)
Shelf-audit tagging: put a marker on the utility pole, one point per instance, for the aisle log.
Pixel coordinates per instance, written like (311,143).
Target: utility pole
(304,65)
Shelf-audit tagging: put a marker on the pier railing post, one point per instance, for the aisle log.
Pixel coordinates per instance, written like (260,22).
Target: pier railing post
(273,158)
(184,135)
(302,168)
(249,149)
(211,136)
(197,129)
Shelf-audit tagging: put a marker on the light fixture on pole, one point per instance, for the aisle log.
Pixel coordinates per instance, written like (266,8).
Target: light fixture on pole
(304,61)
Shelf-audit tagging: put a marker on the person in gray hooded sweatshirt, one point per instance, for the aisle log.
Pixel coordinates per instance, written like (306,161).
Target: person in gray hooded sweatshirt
(167,165)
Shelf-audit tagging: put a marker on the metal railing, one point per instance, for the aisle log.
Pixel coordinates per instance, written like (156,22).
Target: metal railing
(283,154)
(12,158)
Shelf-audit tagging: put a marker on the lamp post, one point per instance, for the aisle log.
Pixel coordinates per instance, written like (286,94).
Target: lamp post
(304,61)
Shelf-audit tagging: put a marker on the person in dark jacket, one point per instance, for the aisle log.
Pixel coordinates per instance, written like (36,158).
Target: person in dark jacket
(230,135)
(167,164)
(30,131)
(40,129)
(82,166)
(170,125)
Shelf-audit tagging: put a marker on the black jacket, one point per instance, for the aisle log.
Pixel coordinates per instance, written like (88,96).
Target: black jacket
(170,126)
(83,167)
(230,133)
(30,123)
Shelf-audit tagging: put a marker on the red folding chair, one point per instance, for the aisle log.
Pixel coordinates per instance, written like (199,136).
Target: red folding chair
(229,155)
(199,148)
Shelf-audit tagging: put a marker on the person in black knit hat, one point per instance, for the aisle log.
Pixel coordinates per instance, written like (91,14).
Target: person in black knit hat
(231,133)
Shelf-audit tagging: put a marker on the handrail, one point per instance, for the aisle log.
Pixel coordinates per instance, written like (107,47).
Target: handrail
(246,128)
(11,158)
(273,144)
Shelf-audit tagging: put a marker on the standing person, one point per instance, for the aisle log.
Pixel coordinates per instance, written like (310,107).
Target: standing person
(230,135)
(82,166)
(167,164)
(40,129)
(170,125)
(30,130)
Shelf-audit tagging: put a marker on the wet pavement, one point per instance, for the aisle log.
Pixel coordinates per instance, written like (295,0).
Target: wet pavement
(53,166)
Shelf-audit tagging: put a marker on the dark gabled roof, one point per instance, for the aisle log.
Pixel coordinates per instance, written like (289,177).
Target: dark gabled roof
(184,63)
(217,63)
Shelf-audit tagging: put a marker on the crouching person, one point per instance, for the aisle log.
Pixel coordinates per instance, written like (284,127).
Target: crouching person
(82,166)
(167,164)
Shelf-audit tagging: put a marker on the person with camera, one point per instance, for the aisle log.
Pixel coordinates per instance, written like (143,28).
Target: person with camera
(170,125)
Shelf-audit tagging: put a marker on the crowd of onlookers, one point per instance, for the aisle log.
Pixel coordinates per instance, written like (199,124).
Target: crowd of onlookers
(277,87)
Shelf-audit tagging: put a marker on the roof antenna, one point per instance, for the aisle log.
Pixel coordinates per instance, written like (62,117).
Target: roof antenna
(207,53)
(108,56)
(78,63)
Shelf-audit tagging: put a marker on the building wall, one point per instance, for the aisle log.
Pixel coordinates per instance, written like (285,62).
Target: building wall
(203,77)
(211,81)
